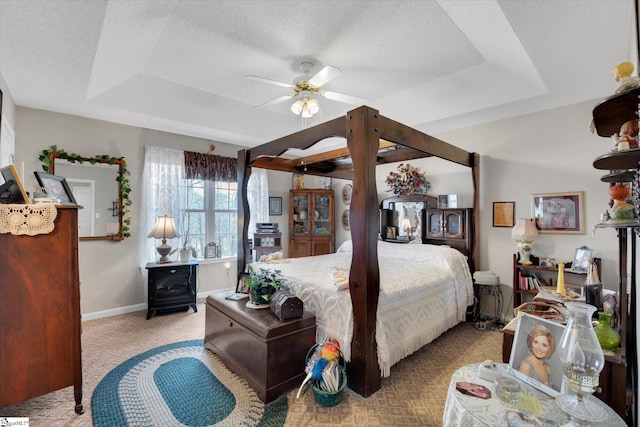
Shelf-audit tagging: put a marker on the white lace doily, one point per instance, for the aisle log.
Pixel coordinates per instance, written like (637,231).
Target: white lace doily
(27,219)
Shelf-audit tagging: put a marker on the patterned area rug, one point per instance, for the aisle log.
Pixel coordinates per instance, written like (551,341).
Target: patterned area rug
(180,384)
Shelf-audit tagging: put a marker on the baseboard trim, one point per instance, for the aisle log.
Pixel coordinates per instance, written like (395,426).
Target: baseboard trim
(114,312)
(138,307)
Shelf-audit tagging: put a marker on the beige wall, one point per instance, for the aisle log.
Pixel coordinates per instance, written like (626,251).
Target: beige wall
(544,152)
(112,279)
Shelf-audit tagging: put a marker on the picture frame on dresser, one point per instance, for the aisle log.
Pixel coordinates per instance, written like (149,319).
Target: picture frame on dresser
(56,186)
(17,191)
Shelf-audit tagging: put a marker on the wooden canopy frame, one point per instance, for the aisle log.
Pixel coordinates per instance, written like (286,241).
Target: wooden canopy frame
(372,139)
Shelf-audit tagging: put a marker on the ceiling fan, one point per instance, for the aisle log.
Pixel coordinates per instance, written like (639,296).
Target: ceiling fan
(304,88)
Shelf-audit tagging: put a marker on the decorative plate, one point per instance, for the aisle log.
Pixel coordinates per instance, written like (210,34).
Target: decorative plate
(346,194)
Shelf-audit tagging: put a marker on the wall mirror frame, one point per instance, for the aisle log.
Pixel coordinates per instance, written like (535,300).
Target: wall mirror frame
(48,158)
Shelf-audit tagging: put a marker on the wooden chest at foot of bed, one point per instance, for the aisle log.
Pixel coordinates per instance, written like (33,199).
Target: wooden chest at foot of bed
(267,352)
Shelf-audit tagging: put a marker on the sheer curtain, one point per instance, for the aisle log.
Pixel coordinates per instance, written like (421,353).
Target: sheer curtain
(162,194)
(258,197)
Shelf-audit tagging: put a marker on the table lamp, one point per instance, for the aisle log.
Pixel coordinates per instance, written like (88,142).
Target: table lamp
(523,233)
(165,228)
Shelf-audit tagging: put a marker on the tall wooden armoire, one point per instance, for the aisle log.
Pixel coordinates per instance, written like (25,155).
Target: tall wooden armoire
(40,312)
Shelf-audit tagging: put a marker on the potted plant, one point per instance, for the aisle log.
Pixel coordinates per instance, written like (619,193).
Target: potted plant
(262,285)
(185,252)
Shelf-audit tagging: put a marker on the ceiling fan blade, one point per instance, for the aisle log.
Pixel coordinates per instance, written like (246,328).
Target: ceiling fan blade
(348,99)
(325,75)
(276,101)
(264,80)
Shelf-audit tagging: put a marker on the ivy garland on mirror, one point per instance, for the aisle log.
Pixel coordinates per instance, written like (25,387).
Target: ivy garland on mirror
(47,155)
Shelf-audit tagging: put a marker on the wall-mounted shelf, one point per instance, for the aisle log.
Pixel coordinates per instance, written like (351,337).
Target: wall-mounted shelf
(612,112)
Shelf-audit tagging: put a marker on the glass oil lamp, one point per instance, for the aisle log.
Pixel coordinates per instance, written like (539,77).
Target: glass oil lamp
(582,361)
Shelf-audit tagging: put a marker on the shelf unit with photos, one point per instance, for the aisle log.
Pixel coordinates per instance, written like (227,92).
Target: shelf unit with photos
(548,275)
(622,166)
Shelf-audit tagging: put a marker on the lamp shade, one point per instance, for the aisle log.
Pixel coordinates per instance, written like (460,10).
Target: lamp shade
(165,228)
(524,230)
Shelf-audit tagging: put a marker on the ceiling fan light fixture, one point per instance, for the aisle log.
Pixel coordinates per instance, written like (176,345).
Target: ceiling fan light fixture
(306,106)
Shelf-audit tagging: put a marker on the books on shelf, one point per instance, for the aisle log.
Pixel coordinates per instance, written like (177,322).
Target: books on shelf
(531,283)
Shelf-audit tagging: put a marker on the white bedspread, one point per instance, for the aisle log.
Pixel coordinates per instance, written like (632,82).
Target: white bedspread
(425,290)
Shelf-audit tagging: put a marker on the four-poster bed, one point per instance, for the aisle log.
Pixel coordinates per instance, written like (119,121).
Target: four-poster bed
(371,139)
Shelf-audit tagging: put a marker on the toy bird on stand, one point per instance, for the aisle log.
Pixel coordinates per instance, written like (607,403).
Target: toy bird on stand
(323,367)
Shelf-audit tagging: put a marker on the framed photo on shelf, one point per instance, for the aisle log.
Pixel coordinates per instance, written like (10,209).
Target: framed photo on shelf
(443,201)
(18,194)
(581,260)
(558,213)
(275,205)
(297,181)
(530,329)
(504,214)
(452,200)
(325,183)
(391,233)
(56,186)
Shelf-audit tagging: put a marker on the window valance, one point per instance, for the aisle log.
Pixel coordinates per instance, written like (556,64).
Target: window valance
(210,167)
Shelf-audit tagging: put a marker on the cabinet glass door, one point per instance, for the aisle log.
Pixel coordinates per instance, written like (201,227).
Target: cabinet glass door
(321,214)
(301,213)
(454,225)
(434,221)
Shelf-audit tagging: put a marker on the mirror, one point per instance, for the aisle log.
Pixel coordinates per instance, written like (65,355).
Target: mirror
(404,213)
(100,186)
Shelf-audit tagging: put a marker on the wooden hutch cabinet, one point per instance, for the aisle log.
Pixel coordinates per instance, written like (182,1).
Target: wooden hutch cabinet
(447,223)
(40,312)
(311,222)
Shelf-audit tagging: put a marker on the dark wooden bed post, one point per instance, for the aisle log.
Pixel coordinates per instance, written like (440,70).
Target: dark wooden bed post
(243,212)
(475,175)
(364,279)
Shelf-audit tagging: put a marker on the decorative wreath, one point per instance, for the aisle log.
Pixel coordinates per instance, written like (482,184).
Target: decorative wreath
(407,179)
(48,154)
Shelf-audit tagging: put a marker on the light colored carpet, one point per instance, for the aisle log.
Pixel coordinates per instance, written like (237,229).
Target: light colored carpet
(413,395)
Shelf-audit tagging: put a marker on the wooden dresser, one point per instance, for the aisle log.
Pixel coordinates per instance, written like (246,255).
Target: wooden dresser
(267,352)
(40,312)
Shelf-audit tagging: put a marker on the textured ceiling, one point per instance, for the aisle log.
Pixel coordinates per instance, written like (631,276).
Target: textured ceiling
(178,66)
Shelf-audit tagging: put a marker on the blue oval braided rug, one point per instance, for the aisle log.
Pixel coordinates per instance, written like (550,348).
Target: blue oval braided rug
(180,384)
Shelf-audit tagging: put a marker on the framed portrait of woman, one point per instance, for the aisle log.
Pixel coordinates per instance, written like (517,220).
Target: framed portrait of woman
(534,356)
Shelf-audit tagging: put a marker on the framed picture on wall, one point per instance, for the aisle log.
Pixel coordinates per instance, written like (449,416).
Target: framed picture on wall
(504,214)
(558,213)
(275,205)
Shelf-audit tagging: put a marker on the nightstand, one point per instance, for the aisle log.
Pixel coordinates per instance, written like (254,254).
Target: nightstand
(171,287)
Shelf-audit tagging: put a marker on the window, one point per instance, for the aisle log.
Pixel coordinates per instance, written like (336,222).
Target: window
(210,215)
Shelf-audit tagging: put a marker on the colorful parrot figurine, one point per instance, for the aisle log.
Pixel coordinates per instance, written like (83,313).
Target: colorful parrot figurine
(324,356)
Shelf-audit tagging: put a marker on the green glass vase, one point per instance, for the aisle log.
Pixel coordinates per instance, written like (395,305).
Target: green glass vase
(608,338)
